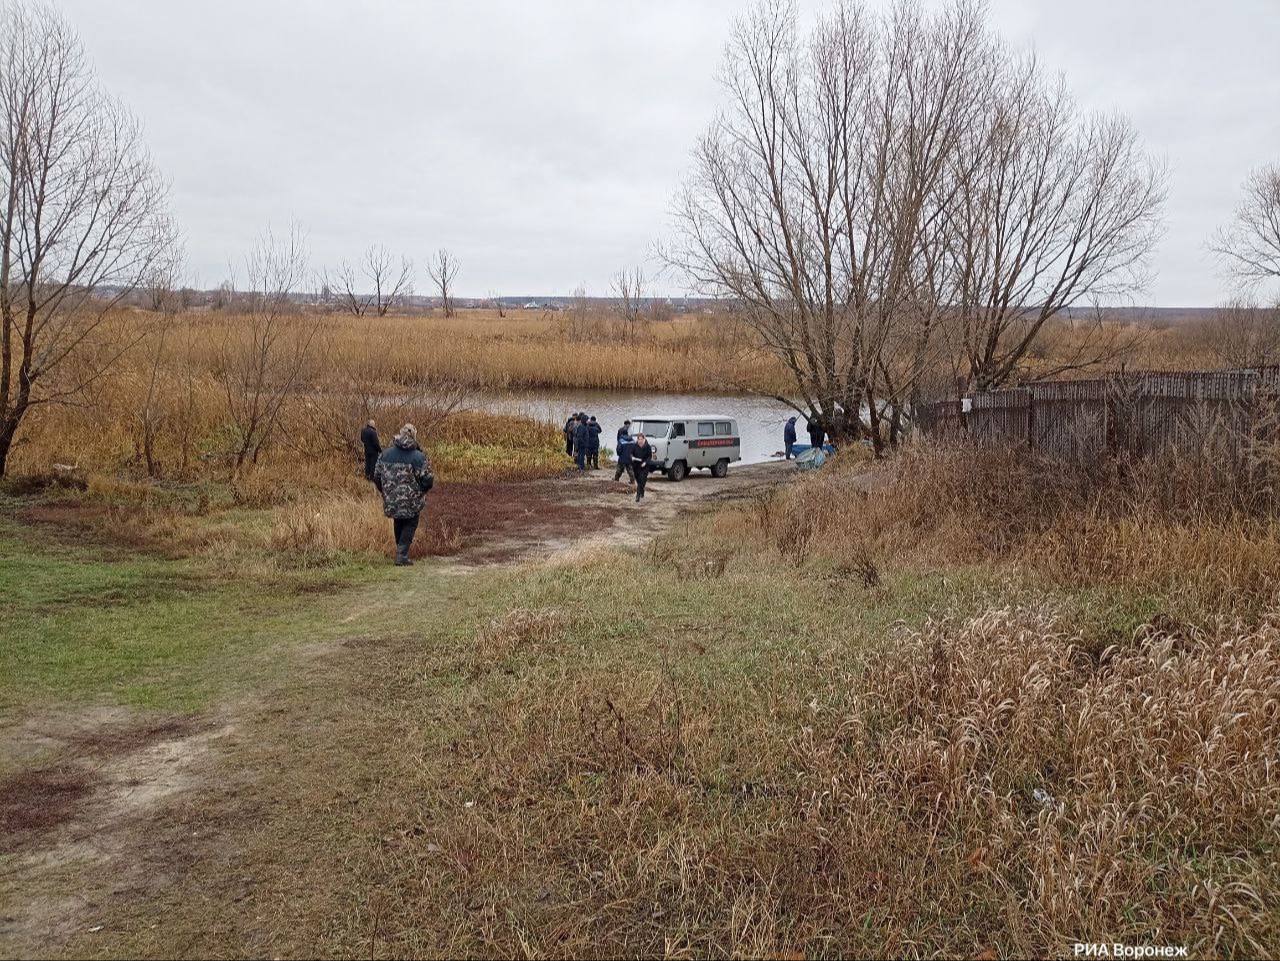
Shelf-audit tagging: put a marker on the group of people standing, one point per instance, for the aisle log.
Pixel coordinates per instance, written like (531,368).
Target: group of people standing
(582,441)
(402,475)
(635,454)
(817,434)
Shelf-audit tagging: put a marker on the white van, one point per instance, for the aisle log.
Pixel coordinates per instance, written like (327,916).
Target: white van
(685,442)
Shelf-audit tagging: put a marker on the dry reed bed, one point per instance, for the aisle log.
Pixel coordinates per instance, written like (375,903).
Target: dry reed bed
(165,411)
(989,785)
(1171,526)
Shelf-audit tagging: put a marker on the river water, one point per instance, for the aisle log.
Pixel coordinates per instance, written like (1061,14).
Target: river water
(760,419)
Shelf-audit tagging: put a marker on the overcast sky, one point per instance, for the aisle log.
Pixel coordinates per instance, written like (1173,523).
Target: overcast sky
(542,141)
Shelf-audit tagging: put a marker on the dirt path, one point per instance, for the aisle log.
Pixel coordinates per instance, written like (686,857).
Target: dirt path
(104,811)
(591,509)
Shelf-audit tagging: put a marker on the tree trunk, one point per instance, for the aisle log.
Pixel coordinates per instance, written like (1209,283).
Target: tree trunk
(8,430)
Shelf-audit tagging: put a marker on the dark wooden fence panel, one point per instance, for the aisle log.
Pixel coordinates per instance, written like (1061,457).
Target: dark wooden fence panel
(1137,413)
(1070,418)
(1001,417)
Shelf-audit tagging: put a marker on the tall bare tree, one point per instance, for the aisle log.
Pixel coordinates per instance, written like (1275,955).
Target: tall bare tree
(812,194)
(166,300)
(628,286)
(1250,246)
(1047,210)
(378,284)
(443,268)
(896,192)
(261,361)
(81,207)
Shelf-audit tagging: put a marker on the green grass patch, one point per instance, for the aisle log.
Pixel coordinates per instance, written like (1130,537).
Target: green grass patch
(86,622)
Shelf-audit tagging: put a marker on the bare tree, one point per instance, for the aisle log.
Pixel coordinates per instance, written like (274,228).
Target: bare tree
(813,193)
(442,269)
(261,362)
(377,285)
(164,278)
(80,212)
(1250,246)
(495,303)
(224,295)
(577,326)
(895,194)
(628,285)
(1047,210)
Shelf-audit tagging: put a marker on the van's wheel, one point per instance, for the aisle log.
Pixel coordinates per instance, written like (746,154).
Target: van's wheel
(678,471)
(720,468)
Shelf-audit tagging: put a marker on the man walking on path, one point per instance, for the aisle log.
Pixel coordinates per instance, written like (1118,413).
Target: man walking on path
(789,436)
(372,447)
(641,458)
(403,476)
(625,444)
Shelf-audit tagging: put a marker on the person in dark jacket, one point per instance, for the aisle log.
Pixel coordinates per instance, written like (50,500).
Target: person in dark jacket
(789,436)
(581,442)
(625,443)
(593,442)
(641,463)
(817,433)
(569,427)
(372,447)
(403,477)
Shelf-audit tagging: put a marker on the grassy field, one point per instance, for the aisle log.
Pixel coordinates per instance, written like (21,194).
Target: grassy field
(885,716)
(951,704)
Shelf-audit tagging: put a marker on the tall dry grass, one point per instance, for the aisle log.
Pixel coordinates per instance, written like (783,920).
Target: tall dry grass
(1169,525)
(994,786)
(170,411)
(164,408)
(525,349)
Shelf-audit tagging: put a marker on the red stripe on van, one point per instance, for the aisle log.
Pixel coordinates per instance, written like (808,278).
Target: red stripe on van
(715,442)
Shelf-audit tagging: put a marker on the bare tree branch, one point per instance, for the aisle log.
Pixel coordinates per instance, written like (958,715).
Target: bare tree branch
(1250,246)
(629,286)
(82,217)
(262,361)
(379,284)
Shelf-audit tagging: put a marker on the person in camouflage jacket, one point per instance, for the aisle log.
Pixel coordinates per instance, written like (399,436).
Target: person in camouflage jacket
(403,477)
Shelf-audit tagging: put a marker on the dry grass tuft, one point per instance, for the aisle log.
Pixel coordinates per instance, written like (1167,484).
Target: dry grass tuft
(517,630)
(1039,797)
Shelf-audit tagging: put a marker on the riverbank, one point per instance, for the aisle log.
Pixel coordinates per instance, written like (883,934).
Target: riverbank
(721,725)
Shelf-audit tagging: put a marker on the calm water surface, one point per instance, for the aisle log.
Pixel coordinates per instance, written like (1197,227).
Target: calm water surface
(760,419)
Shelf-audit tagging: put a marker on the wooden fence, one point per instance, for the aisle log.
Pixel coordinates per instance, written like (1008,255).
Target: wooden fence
(1139,414)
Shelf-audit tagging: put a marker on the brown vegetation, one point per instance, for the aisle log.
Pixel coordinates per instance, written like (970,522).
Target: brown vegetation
(999,783)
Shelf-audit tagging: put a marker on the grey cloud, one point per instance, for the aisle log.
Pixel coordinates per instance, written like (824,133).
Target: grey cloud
(542,142)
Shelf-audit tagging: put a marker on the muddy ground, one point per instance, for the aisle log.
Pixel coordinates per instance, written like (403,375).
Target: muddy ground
(539,519)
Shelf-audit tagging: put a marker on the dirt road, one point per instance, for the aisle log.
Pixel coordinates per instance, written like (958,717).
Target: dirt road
(539,519)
